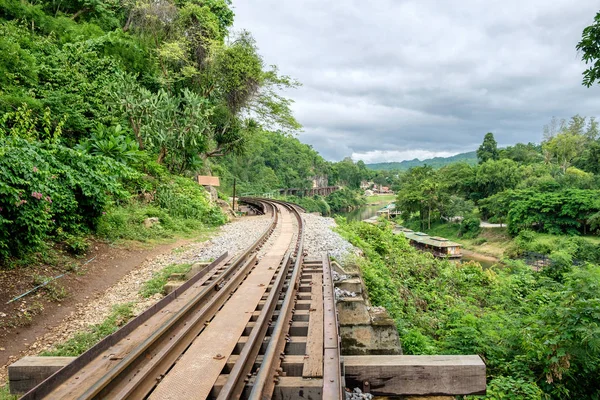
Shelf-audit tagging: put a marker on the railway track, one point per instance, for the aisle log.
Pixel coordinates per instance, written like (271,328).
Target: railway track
(258,325)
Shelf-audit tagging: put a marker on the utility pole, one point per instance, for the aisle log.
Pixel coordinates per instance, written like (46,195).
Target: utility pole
(233,194)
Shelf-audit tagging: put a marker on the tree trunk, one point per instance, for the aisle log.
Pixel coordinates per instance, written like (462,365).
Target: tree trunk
(429,217)
(78,13)
(136,132)
(128,23)
(161,155)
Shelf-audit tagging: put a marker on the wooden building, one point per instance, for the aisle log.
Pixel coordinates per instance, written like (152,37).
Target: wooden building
(438,246)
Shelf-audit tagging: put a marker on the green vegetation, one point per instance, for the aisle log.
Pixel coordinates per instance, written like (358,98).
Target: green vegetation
(109,110)
(549,188)
(160,279)
(590,51)
(5,393)
(341,200)
(84,340)
(488,149)
(537,332)
(272,161)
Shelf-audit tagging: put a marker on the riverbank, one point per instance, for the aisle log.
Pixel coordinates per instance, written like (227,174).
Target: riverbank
(497,243)
(485,260)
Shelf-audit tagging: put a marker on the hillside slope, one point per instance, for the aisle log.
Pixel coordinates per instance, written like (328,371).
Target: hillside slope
(436,162)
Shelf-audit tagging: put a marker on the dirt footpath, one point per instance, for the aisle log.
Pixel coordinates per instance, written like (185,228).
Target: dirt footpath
(114,277)
(108,267)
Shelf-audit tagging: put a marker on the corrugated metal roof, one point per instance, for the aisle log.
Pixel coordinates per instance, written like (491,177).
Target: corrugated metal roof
(435,241)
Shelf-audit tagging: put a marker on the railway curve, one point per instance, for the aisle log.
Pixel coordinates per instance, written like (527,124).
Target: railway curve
(257,325)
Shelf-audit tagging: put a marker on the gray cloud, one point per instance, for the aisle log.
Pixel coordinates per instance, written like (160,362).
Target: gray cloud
(418,78)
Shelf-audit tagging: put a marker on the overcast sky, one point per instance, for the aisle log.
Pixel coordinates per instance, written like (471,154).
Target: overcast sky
(392,80)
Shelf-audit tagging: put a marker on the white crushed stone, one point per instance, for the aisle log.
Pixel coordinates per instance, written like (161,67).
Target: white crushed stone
(232,237)
(357,394)
(319,238)
(342,293)
(338,277)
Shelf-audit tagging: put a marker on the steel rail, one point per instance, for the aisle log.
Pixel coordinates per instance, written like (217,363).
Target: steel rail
(167,355)
(238,376)
(264,383)
(237,266)
(59,377)
(332,371)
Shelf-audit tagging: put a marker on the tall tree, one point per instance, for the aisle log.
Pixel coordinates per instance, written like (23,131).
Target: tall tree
(488,149)
(495,176)
(564,147)
(589,46)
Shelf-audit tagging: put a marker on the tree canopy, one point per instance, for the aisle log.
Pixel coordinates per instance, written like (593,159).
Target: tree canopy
(488,149)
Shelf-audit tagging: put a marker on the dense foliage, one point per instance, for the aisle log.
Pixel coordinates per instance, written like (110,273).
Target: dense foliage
(552,187)
(48,189)
(272,161)
(341,200)
(537,332)
(108,111)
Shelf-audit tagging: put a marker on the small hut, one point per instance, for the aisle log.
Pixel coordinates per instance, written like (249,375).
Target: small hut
(438,246)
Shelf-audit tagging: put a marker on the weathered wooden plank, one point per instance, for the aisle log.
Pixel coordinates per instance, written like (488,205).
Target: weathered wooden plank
(287,388)
(313,363)
(417,375)
(291,365)
(28,372)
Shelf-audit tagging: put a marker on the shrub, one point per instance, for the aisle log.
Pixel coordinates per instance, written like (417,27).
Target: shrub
(311,204)
(45,187)
(479,241)
(184,198)
(509,388)
(469,227)
(344,199)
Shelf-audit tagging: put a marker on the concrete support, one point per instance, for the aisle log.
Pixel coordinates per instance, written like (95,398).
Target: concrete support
(364,329)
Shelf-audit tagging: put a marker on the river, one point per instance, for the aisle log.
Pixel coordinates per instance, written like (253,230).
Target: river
(368,211)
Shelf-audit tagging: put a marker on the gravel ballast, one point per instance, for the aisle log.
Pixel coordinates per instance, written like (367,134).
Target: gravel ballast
(319,238)
(233,237)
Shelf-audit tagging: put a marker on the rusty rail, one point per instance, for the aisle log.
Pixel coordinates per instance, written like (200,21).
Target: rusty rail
(266,377)
(238,269)
(252,374)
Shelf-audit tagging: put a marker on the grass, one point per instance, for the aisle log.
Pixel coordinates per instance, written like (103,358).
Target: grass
(84,340)
(377,198)
(160,279)
(127,223)
(5,394)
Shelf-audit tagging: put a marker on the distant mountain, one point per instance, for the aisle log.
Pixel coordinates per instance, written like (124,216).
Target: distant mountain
(436,162)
